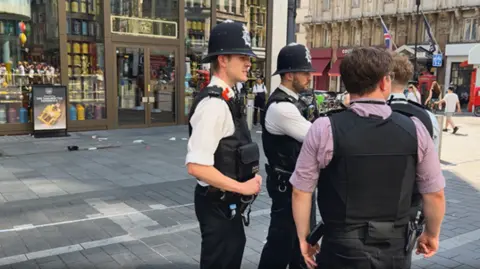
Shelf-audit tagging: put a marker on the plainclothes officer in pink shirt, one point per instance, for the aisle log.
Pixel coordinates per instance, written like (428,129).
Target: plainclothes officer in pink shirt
(365,162)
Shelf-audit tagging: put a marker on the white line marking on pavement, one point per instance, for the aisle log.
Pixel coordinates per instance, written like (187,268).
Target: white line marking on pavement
(105,242)
(92,217)
(153,207)
(447,244)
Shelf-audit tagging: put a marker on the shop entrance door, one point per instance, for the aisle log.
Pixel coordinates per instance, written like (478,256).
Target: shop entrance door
(146,85)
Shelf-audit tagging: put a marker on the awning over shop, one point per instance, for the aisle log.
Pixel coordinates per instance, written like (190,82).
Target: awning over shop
(319,65)
(335,70)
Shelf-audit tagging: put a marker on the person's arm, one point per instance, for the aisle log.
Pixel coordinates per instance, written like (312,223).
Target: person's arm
(316,153)
(430,181)
(209,126)
(284,118)
(429,96)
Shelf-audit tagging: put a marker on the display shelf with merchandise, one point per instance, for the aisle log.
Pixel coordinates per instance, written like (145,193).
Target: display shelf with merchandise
(197,31)
(85,57)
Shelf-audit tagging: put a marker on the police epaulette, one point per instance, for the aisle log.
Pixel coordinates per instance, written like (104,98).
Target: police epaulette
(214,91)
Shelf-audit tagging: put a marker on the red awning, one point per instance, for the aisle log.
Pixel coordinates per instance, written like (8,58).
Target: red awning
(319,65)
(335,70)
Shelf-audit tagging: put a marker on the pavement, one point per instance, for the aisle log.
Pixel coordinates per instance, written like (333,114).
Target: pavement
(125,200)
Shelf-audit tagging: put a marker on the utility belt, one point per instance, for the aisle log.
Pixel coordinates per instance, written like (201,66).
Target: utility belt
(229,202)
(280,176)
(248,159)
(372,232)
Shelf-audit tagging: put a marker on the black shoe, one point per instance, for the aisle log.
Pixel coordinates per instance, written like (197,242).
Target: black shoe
(455,130)
(445,130)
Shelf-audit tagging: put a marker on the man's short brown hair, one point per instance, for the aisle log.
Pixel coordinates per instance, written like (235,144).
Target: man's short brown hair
(403,69)
(363,68)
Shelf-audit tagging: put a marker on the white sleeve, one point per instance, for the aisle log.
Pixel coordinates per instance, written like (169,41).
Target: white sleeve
(284,119)
(436,130)
(211,121)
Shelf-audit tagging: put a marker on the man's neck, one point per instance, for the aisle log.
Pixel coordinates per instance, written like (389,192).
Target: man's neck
(377,95)
(288,87)
(225,78)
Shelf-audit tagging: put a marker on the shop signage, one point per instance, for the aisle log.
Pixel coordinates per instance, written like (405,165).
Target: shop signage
(437,60)
(16,7)
(49,108)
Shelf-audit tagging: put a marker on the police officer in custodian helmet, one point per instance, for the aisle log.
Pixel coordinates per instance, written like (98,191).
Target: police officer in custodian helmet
(365,162)
(287,119)
(221,154)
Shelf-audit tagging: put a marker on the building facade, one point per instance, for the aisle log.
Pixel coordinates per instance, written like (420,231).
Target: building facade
(300,27)
(335,26)
(125,63)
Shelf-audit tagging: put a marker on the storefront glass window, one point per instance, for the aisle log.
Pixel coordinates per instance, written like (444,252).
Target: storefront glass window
(85,49)
(197,31)
(254,16)
(29,54)
(154,18)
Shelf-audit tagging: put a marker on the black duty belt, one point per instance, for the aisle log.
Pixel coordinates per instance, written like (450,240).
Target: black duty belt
(245,202)
(376,230)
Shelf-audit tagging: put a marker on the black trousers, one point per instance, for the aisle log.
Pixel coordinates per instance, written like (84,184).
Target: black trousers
(223,240)
(356,253)
(259,104)
(282,248)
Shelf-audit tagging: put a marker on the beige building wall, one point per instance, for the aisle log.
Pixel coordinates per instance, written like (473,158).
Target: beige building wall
(348,23)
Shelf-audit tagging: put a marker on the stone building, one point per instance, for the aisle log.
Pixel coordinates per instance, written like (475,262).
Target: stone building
(335,26)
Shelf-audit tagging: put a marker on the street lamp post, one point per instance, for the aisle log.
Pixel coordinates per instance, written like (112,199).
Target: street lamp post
(292,14)
(415,74)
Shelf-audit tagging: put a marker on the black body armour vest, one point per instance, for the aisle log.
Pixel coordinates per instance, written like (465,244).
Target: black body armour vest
(372,173)
(236,156)
(282,150)
(412,109)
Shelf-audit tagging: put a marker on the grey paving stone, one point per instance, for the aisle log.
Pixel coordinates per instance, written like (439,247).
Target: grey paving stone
(25,265)
(96,255)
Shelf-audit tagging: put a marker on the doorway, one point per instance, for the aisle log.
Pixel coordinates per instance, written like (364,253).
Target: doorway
(146,83)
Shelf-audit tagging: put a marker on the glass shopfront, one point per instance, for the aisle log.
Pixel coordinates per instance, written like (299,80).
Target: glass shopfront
(29,51)
(197,30)
(125,63)
(150,18)
(85,57)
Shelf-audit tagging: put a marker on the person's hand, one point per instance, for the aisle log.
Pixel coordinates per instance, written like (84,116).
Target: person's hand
(252,186)
(459,111)
(308,253)
(427,245)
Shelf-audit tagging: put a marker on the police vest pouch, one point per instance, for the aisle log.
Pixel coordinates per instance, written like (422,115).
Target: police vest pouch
(382,231)
(248,161)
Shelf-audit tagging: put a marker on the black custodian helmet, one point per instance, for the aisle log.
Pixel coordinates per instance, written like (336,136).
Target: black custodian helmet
(294,58)
(229,38)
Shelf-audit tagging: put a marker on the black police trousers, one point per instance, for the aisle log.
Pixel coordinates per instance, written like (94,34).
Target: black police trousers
(223,239)
(356,253)
(282,248)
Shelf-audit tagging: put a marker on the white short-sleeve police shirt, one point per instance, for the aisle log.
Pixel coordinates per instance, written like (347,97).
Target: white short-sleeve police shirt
(284,118)
(211,122)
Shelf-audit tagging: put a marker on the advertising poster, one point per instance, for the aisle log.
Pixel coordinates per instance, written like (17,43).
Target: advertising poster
(49,107)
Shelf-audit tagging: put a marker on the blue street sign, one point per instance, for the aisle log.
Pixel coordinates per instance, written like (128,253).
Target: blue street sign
(437,60)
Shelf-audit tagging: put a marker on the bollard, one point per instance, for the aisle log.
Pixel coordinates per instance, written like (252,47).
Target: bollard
(250,103)
(440,119)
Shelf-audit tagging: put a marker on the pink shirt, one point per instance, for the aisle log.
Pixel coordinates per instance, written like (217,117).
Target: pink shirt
(317,152)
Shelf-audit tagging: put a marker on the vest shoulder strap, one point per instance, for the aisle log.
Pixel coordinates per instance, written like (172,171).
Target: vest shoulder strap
(213,92)
(411,110)
(405,122)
